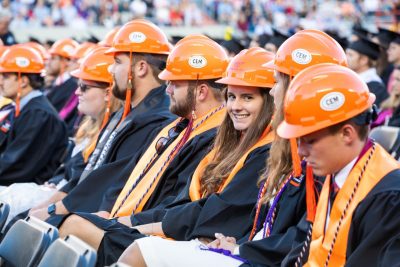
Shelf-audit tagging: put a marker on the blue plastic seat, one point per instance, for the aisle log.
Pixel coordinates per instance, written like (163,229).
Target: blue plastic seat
(26,241)
(69,252)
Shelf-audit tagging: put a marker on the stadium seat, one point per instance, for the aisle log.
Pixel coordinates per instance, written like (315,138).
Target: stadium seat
(119,264)
(26,241)
(386,136)
(69,252)
(4,211)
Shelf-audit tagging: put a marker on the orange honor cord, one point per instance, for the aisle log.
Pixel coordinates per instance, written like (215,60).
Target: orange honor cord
(310,195)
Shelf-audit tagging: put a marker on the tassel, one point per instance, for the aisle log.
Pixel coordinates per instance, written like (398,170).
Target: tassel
(17,101)
(295,158)
(310,195)
(107,113)
(128,96)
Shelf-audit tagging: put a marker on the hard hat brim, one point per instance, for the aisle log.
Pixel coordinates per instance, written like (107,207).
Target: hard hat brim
(288,131)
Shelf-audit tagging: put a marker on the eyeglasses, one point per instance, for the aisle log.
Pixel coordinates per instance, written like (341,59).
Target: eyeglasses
(84,87)
(163,141)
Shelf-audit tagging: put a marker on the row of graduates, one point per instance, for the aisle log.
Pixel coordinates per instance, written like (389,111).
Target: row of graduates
(27,152)
(169,182)
(375,56)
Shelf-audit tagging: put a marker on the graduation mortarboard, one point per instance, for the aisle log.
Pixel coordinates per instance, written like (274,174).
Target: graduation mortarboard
(175,38)
(233,46)
(366,47)
(386,36)
(361,32)
(341,40)
(278,38)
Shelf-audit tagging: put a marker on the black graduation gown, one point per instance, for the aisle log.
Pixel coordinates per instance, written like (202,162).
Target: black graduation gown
(60,94)
(379,90)
(374,222)
(106,181)
(395,118)
(35,144)
(226,212)
(390,254)
(288,229)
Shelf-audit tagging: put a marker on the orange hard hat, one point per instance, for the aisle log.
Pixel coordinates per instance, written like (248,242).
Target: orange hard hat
(195,59)
(82,50)
(193,36)
(94,66)
(247,69)
(307,48)
(321,96)
(38,47)
(109,38)
(64,48)
(140,36)
(21,59)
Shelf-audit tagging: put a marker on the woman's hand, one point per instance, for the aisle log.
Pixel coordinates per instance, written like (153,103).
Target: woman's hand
(224,242)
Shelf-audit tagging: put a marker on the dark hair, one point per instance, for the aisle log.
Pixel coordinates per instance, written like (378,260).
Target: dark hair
(362,130)
(35,80)
(218,89)
(157,63)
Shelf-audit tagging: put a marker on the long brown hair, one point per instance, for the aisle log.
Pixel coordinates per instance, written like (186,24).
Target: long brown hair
(230,145)
(279,162)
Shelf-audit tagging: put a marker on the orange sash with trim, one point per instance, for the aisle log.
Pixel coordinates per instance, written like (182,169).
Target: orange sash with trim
(195,187)
(379,166)
(143,190)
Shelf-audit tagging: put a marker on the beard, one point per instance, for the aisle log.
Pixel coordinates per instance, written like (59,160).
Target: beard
(118,93)
(183,108)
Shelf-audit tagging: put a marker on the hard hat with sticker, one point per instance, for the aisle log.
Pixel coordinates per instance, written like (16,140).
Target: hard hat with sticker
(22,62)
(69,49)
(301,56)
(137,37)
(332,101)
(197,62)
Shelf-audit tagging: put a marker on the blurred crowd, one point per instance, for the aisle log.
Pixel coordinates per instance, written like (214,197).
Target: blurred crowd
(250,16)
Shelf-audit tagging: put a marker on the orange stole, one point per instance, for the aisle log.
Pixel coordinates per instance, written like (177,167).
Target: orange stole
(139,196)
(195,187)
(380,165)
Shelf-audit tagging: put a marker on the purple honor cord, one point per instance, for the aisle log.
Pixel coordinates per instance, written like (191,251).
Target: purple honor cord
(225,252)
(271,210)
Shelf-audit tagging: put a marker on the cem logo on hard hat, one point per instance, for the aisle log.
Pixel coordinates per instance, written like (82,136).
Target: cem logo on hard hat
(197,62)
(301,56)
(69,49)
(332,101)
(137,37)
(22,62)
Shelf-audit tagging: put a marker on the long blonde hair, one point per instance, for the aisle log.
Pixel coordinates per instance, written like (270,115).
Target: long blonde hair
(89,129)
(279,162)
(230,145)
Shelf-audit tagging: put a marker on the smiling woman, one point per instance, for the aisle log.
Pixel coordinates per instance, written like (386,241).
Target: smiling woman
(226,179)
(244,104)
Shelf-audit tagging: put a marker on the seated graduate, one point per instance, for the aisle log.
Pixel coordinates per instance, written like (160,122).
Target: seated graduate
(36,137)
(358,211)
(390,108)
(96,103)
(282,196)
(224,184)
(135,72)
